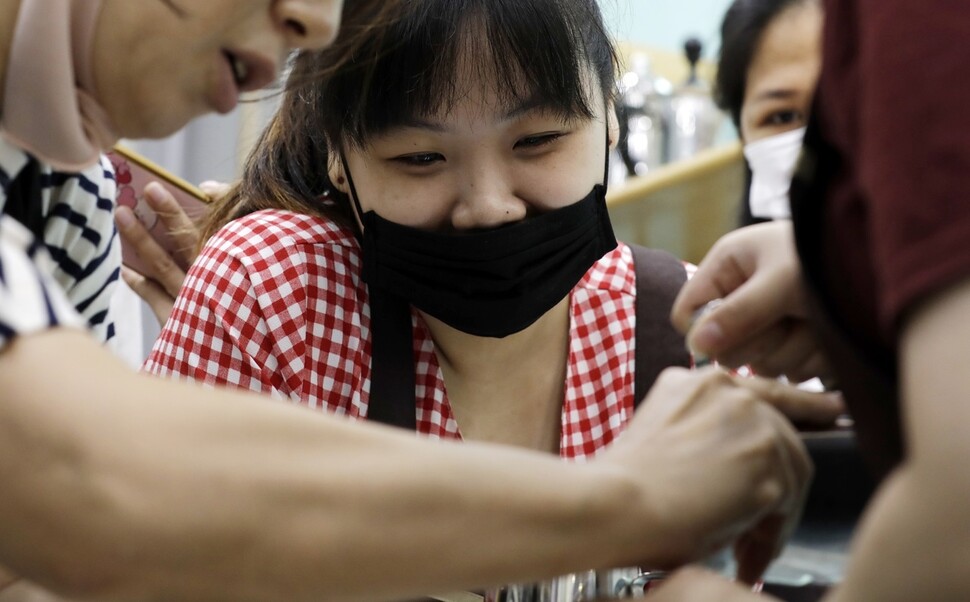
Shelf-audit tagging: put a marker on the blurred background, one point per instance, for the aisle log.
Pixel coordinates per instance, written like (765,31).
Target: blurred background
(665,24)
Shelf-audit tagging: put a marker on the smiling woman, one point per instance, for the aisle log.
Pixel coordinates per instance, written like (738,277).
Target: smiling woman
(465,180)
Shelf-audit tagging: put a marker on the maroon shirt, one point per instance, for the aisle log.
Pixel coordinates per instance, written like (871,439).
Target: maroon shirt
(881,215)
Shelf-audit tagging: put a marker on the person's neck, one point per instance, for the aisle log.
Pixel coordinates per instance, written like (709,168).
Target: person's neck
(485,357)
(8,23)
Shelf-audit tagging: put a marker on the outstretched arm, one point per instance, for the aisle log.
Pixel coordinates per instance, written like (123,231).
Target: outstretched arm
(123,486)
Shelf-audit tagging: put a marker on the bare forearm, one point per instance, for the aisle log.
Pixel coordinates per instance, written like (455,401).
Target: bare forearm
(141,489)
(914,543)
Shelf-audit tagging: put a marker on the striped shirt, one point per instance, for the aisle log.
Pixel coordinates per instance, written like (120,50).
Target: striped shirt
(75,268)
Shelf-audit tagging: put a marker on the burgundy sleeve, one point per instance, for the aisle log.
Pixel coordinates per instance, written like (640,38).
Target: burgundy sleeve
(913,153)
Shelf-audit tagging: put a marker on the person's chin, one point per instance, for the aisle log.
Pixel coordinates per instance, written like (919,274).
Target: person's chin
(157,122)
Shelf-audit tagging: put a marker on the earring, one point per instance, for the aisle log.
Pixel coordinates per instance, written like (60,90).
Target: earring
(340,180)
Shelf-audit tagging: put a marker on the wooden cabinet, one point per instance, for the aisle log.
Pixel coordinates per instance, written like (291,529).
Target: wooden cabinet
(682,207)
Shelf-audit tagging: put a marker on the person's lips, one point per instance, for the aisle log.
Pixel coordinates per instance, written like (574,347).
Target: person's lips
(240,71)
(251,70)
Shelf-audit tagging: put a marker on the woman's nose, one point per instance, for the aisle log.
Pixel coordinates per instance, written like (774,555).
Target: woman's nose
(309,24)
(486,203)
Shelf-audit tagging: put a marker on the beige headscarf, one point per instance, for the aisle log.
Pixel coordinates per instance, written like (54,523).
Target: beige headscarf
(49,106)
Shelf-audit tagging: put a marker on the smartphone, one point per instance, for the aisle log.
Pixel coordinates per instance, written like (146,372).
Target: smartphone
(132,173)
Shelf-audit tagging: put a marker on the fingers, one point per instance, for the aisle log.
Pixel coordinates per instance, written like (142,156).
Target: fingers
(719,274)
(755,273)
(772,350)
(784,490)
(755,550)
(788,348)
(179,226)
(773,531)
(157,298)
(754,307)
(792,452)
(160,266)
(724,459)
(797,405)
(791,353)
(215,190)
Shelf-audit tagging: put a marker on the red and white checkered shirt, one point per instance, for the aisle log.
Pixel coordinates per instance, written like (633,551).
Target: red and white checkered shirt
(275,304)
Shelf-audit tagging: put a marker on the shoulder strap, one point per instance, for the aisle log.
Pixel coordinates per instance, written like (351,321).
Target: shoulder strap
(24,200)
(660,276)
(392,399)
(658,345)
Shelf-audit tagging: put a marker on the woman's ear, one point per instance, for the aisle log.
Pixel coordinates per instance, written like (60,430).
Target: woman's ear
(612,124)
(335,171)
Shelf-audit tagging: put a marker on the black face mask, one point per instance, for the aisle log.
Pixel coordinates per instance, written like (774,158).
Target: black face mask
(489,283)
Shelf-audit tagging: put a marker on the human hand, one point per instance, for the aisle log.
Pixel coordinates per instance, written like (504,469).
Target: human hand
(806,410)
(160,286)
(755,550)
(723,467)
(761,319)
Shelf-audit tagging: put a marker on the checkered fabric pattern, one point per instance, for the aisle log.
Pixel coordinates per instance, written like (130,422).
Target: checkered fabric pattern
(275,304)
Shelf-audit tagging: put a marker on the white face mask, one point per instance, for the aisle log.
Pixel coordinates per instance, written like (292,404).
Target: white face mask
(772,161)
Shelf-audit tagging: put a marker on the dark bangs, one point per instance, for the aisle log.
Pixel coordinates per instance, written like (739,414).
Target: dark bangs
(386,74)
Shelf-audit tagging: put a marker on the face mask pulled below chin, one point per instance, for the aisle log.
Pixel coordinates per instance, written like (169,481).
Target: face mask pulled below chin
(772,161)
(489,283)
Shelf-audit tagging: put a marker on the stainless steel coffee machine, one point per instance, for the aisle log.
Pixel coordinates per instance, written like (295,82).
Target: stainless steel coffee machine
(659,122)
(642,111)
(693,118)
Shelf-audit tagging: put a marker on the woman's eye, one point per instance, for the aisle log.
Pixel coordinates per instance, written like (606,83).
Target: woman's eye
(420,159)
(783,118)
(538,140)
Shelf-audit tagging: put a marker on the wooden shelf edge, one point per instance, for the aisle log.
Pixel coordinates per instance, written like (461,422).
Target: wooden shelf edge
(674,174)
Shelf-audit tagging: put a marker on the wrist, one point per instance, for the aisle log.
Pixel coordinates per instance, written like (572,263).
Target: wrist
(624,518)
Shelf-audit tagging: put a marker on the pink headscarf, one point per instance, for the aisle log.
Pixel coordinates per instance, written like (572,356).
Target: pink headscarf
(49,107)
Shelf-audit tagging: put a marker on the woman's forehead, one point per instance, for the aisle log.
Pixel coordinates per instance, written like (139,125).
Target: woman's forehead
(479,87)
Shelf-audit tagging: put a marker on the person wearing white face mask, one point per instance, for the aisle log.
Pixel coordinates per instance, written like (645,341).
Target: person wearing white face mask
(768,66)
(767,70)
